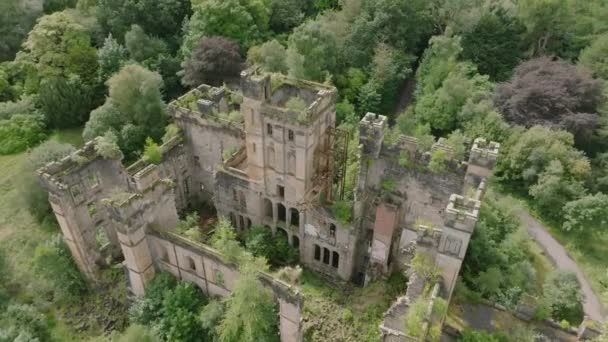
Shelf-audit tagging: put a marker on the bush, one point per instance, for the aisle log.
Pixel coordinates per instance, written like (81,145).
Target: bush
(276,249)
(53,261)
(342,211)
(152,153)
(20,132)
(23,323)
(563,297)
(437,163)
(148,308)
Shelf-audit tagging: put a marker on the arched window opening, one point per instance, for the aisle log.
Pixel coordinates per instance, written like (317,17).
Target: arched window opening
(232,220)
(326,256)
(248,223)
(294,217)
(242,222)
(290,135)
(164,255)
(291,163)
(191,264)
(282,212)
(296,242)
(242,199)
(332,230)
(268,208)
(335,259)
(270,156)
(282,234)
(269,129)
(317,253)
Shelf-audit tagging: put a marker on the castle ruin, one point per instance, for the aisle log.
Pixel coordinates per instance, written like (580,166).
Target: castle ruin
(283,167)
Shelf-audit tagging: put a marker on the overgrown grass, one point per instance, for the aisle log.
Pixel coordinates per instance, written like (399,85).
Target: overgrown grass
(20,233)
(346,312)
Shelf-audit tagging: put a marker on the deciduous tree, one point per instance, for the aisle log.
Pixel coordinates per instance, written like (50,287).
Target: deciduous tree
(551,93)
(213,60)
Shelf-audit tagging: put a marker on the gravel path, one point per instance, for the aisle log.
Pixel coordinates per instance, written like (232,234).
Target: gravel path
(560,258)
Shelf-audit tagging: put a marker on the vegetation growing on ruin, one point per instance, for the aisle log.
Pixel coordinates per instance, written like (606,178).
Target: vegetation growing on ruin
(346,312)
(343,211)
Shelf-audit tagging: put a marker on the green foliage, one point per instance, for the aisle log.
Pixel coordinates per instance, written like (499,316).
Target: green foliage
(214,60)
(20,132)
(210,318)
(369,98)
(148,309)
(244,21)
(554,189)
(415,317)
(495,44)
(345,112)
(152,152)
(65,102)
(16,19)
(404,159)
(497,262)
(60,45)
(224,240)
(159,18)
(437,164)
(34,197)
(286,14)
(424,266)
(311,52)
(587,214)
(481,336)
(388,184)
(270,56)
(295,104)
(54,262)
(22,322)
(276,249)
(107,146)
(595,57)
(251,314)
(171,131)
(141,46)
(50,6)
(134,109)
(190,227)
(527,154)
(343,211)
(563,296)
(179,321)
(136,332)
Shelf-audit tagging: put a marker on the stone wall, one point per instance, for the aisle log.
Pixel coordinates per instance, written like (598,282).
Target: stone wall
(206,268)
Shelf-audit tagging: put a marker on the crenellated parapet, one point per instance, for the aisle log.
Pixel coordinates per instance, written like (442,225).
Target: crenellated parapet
(371,133)
(482,159)
(462,213)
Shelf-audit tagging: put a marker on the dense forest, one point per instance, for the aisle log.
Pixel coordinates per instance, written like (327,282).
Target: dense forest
(530,74)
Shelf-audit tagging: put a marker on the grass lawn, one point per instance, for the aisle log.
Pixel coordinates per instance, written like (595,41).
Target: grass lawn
(20,233)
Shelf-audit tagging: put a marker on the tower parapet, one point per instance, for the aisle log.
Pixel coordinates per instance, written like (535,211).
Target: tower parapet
(482,160)
(462,213)
(371,133)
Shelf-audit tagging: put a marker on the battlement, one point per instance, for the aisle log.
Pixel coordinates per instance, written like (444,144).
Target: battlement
(462,213)
(311,100)
(484,153)
(213,103)
(371,133)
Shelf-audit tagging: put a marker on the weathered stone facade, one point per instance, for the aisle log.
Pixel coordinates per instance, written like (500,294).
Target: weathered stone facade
(274,168)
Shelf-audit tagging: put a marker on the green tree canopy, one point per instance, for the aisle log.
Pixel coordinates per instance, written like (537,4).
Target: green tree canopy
(244,21)
(495,44)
